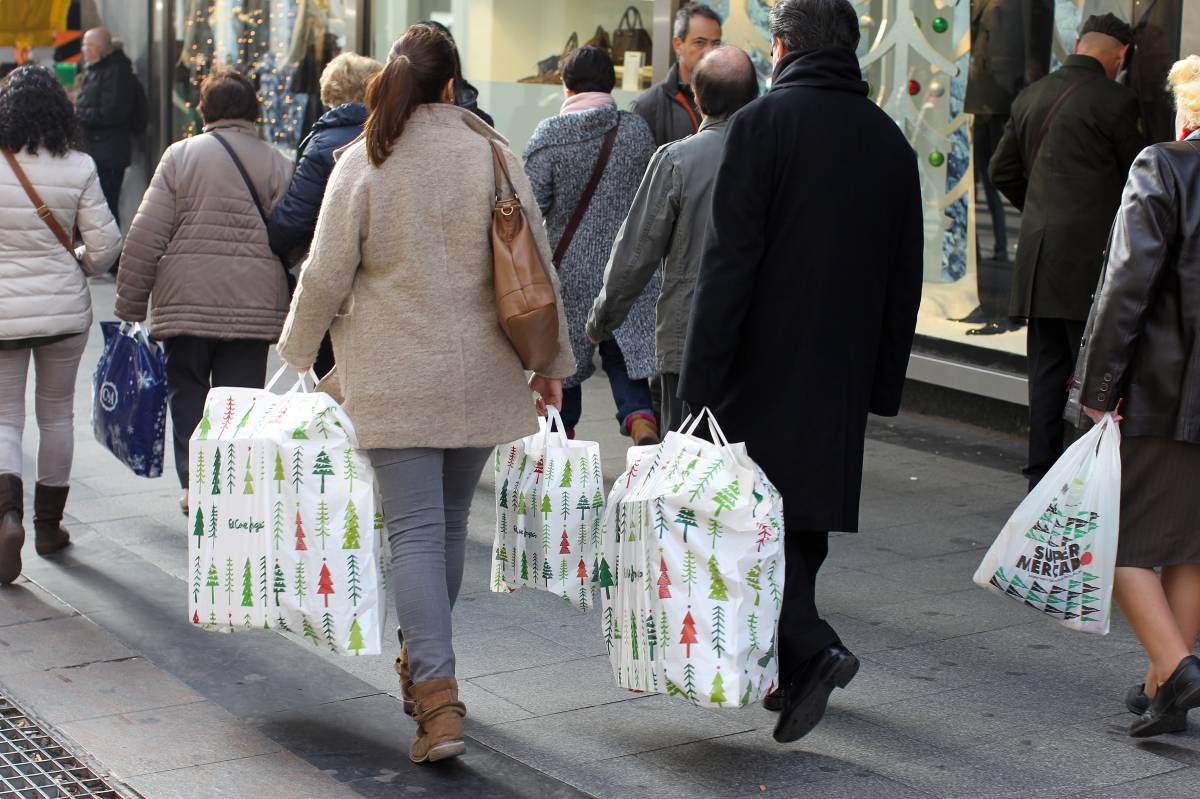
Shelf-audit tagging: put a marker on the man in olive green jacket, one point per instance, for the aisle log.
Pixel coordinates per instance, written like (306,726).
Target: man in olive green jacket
(1063,161)
(668,219)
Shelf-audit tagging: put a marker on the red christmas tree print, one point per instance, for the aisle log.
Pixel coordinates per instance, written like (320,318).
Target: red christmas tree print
(689,632)
(564,548)
(228,417)
(195,617)
(539,468)
(582,572)
(325,583)
(664,581)
(764,535)
(300,545)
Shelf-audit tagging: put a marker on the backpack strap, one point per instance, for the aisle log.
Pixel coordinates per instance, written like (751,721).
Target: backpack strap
(44,213)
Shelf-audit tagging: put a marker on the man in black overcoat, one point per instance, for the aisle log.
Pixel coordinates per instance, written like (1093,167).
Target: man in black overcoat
(1063,161)
(805,307)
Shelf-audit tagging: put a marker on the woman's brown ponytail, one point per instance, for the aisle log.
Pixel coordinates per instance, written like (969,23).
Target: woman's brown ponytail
(419,66)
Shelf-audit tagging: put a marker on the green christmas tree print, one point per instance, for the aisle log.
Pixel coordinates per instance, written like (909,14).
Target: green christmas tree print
(752,626)
(353,579)
(199,470)
(325,583)
(565,511)
(776,593)
(549,472)
(717,589)
(583,506)
(547,573)
(535,568)
(583,598)
(608,628)
(707,477)
(726,498)
(198,528)
(718,629)
(746,694)
(689,570)
(503,494)
(714,531)
(300,582)
(687,519)
(349,470)
(546,540)
(597,500)
(350,527)
(563,571)
(297,469)
(230,468)
(502,555)
(247,586)
(651,634)
(522,508)
(205,426)
(216,472)
(524,567)
(262,579)
(689,681)
(327,628)
(498,578)
(660,518)
(212,521)
(279,585)
(566,476)
(717,694)
(245,419)
(754,581)
(322,531)
(300,434)
(356,637)
(277,523)
(309,632)
(322,425)
(322,468)
(664,632)
(546,505)
(279,475)
(229,581)
(249,481)
(633,636)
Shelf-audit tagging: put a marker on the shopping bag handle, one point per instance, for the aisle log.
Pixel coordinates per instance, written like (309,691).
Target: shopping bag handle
(135,330)
(717,433)
(300,386)
(552,419)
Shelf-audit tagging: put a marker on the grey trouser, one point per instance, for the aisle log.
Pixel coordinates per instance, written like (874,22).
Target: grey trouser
(55,367)
(426,497)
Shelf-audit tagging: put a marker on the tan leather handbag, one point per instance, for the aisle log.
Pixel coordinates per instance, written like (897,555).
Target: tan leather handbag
(525,301)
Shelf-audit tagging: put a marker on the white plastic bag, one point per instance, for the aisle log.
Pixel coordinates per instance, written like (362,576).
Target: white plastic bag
(1058,552)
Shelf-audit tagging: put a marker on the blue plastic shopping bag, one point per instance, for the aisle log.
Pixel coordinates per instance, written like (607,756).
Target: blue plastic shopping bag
(129,398)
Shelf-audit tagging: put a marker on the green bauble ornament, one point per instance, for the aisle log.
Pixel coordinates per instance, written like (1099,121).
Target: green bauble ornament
(940,25)
(937,158)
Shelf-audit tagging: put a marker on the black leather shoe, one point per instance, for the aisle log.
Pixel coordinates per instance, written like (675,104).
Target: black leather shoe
(1174,698)
(774,700)
(1138,703)
(975,317)
(807,695)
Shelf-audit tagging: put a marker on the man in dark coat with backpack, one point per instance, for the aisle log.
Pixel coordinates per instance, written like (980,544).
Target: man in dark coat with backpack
(111,106)
(805,309)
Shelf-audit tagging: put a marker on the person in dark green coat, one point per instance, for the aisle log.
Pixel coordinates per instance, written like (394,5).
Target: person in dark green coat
(1063,161)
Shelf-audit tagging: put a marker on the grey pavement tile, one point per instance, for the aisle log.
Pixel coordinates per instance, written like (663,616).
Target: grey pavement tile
(630,777)
(950,615)
(864,637)
(558,687)
(99,689)
(484,708)
(149,741)
(54,643)
(843,786)
(923,539)
(973,775)
(556,743)
(940,574)
(165,553)
(246,778)
(505,649)
(876,684)
(570,628)
(844,745)
(1172,785)
(525,606)
(104,508)
(23,601)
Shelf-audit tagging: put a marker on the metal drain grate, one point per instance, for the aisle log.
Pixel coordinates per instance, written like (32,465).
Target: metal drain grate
(35,766)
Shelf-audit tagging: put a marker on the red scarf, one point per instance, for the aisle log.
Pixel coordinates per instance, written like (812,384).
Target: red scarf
(1186,132)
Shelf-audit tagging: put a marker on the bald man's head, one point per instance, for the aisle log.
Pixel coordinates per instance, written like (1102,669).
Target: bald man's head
(724,81)
(97,43)
(1108,50)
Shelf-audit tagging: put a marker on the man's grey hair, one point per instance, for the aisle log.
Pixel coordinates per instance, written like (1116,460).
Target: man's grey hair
(814,24)
(683,17)
(102,37)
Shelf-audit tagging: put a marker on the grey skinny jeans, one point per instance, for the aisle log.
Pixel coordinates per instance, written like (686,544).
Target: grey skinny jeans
(426,497)
(55,368)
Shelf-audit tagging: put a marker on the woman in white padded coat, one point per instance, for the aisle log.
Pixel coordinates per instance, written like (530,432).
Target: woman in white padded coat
(45,306)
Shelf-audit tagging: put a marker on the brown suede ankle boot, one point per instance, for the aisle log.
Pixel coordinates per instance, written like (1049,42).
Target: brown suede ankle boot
(406,681)
(48,503)
(12,532)
(439,717)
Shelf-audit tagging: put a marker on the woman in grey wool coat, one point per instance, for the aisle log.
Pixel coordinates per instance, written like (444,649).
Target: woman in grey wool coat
(560,159)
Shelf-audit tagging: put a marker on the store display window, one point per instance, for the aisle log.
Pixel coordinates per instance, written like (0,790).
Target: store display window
(281,45)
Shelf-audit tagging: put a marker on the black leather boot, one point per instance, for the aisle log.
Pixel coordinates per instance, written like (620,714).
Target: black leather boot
(48,504)
(12,532)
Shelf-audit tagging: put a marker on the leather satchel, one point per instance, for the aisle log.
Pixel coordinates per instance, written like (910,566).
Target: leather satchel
(43,212)
(631,35)
(526,304)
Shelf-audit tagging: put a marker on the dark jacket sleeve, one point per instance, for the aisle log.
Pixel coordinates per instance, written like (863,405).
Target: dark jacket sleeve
(294,218)
(1127,136)
(108,103)
(642,242)
(733,252)
(1139,248)
(1007,167)
(903,299)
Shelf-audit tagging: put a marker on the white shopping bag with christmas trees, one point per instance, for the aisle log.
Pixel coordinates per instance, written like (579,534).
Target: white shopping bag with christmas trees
(549,511)
(1058,552)
(691,572)
(284,529)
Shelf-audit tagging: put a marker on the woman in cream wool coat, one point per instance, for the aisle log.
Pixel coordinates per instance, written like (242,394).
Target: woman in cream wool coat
(401,274)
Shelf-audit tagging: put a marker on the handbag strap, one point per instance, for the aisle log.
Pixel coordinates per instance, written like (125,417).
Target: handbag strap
(581,208)
(1036,145)
(242,171)
(44,213)
(627,20)
(499,167)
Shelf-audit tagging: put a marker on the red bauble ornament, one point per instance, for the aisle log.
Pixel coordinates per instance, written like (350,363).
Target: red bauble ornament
(1086,558)
(914,88)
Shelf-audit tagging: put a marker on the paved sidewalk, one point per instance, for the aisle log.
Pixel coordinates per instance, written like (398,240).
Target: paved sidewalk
(961,693)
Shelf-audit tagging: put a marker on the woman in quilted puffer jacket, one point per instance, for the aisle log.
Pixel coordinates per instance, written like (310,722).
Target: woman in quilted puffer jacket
(198,253)
(45,306)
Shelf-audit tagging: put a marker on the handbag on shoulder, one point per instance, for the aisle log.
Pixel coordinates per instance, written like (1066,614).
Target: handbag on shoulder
(525,301)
